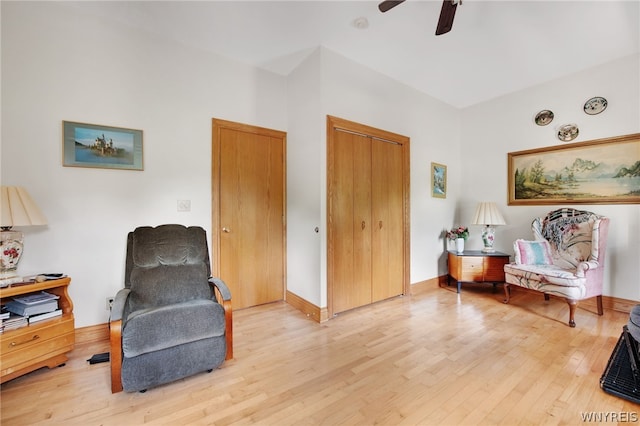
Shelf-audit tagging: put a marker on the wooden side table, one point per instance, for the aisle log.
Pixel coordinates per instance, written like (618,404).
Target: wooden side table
(41,344)
(477,266)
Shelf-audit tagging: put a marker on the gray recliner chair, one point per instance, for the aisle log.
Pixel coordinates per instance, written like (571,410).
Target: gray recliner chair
(171,320)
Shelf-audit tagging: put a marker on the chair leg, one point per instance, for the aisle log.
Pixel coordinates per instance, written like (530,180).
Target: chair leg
(546,297)
(507,293)
(599,303)
(572,311)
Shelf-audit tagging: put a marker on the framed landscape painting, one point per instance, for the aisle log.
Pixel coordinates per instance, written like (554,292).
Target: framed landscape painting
(438,180)
(91,145)
(603,171)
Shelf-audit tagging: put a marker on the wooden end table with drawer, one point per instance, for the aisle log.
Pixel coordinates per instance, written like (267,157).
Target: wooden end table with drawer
(41,344)
(477,266)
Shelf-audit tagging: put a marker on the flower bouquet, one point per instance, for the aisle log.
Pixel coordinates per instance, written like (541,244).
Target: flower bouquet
(459,232)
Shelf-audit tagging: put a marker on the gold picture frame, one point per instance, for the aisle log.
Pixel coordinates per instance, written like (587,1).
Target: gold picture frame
(601,171)
(438,180)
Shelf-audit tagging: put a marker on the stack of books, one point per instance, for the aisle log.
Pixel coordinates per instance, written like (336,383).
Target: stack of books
(34,307)
(12,321)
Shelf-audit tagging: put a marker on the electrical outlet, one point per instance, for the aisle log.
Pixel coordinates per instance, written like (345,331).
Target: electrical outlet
(110,303)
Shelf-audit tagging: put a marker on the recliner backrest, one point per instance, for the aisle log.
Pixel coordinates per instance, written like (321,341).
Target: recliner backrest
(165,265)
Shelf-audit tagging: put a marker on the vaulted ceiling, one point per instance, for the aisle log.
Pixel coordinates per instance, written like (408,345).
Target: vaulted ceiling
(494,48)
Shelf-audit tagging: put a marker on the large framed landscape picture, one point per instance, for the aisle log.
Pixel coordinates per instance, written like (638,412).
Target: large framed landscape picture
(603,171)
(91,145)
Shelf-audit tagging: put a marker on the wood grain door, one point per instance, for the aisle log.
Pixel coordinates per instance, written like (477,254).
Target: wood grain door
(368,215)
(249,206)
(387,261)
(351,221)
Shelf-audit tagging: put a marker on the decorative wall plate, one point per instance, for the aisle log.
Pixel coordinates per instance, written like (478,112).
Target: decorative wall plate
(568,132)
(595,105)
(544,117)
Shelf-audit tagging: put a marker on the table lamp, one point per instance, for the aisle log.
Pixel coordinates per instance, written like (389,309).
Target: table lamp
(16,209)
(487,214)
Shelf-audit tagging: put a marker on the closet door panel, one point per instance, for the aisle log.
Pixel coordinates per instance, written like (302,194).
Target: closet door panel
(351,222)
(387,214)
(367,215)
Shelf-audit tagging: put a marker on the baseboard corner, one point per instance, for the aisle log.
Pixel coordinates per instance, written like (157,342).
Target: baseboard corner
(309,309)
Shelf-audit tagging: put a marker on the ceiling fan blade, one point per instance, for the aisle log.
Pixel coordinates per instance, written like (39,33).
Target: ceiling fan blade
(448,11)
(388,4)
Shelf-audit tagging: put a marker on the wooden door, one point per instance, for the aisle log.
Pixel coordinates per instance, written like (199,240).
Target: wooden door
(249,206)
(368,215)
(387,214)
(351,219)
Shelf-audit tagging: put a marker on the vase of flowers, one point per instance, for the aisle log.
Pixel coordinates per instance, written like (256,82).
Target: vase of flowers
(459,235)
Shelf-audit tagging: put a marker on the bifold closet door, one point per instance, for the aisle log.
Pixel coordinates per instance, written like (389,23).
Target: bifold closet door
(368,215)
(387,260)
(351,221)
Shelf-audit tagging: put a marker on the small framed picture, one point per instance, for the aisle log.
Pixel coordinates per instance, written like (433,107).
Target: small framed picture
(438,180)
(92,145)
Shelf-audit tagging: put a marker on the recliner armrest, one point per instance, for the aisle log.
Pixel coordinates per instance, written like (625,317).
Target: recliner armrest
(117,309)
(225,294)
(115,338)
(222,287)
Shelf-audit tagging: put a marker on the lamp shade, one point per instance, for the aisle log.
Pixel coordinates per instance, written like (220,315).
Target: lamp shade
(488,214)
(17,208)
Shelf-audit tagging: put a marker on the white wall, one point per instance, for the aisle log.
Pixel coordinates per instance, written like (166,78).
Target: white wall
(492,129)
(305,148)
(330,84)
(354,92)
(59,65)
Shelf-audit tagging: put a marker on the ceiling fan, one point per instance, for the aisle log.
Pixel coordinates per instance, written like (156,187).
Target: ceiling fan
(448,11)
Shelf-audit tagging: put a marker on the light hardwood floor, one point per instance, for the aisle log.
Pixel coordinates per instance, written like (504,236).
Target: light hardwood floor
(433,358)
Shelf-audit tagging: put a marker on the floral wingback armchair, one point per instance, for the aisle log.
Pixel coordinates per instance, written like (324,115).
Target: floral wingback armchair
(566,259)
